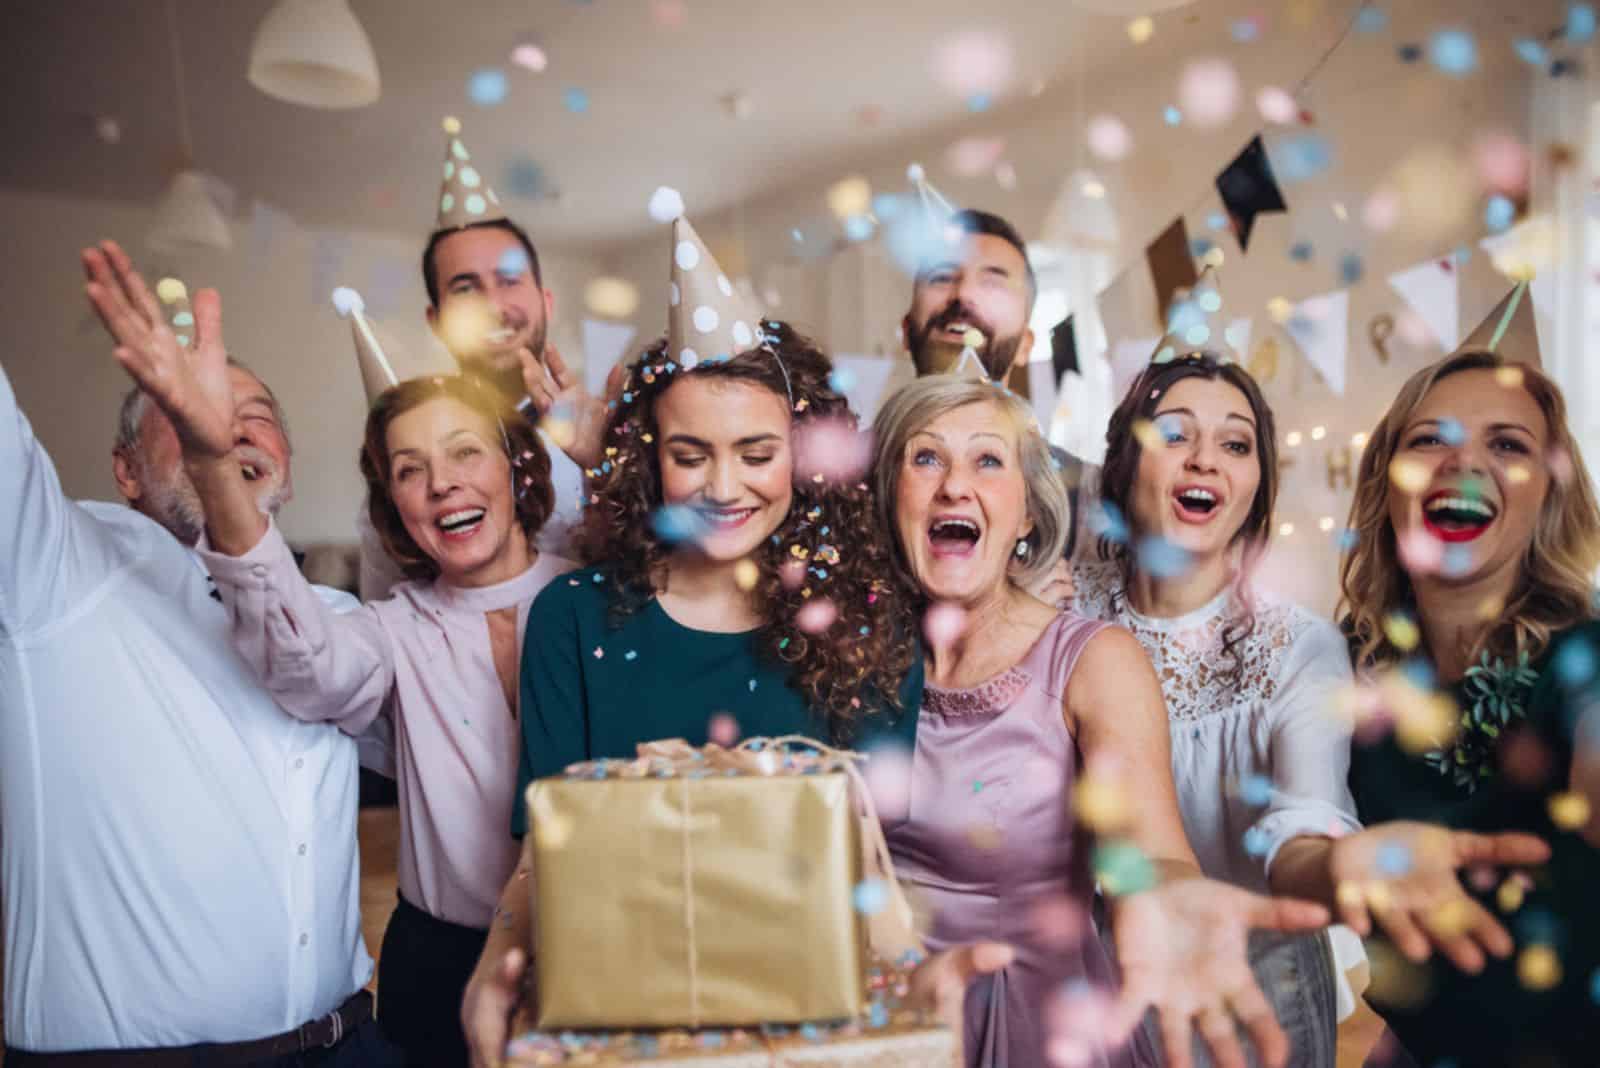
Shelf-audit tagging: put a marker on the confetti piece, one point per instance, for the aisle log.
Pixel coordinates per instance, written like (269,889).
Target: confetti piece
(1499,213)
(575,100)
(849,197)
(1058,921)
(1246,30)
(1172,116)
(1509,376)
(1580,26)
(677,523)
(1105,521)
(1255,790)
(599,653)
(1538,967)
(1372,19)
(723,729)
(1569,811)
(530,57)
(488,86)
(943,624)
(1100,804)
(1393,859)
(1256,842)
(816,615)
(631,654)
(1409,476)
(1141,29)
(1351,268)
(452,125)
(1454,52)
(1108,138)
(1517,474)
(746,574)
(1510,895)
(1161,558)
(1276,105)
(1300,251)
(170,290)
(1208,91)
(1303,157)
(1122,867)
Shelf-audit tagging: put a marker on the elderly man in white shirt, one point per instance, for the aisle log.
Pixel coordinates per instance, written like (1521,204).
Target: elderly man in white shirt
(179,872)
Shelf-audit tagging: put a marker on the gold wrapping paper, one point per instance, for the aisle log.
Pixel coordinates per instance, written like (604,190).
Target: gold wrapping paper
(723,900)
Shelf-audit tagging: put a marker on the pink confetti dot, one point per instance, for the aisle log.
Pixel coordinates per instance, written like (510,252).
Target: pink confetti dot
(723,729)
(974,61)
(1502,163)
(1420,552)
(1381,211)
(1109,138)
(817,615)
(1209,92)
(1277,106)
(943,624)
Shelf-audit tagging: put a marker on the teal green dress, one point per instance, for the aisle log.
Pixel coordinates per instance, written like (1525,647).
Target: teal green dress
(592,690)
(1492,1018)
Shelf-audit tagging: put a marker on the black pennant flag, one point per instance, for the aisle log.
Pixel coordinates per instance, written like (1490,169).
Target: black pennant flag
(1248,189)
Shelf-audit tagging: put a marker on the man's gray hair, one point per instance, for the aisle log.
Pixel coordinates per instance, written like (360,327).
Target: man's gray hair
(131,414)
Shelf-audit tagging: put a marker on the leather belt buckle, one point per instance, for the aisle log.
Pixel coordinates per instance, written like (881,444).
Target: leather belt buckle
(307,1032)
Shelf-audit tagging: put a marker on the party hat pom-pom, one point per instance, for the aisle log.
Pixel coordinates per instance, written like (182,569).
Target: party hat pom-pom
(915,173)
(452,125)
(666,204)
(348,302)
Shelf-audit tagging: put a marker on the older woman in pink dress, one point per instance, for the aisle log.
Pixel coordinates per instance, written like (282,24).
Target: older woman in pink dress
(1020,702)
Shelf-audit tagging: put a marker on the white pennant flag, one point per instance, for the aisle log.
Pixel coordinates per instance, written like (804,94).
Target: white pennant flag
(863,379)
(1320,326)
(1433,290)
(603,345)
(1128,358)
(1042,391)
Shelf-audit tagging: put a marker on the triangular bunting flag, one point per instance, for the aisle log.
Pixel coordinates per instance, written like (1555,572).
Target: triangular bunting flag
(1320,327)
(1171,263)
(603,345)
(1129,357)
(1248,189)
(1432,289)
(1064,347)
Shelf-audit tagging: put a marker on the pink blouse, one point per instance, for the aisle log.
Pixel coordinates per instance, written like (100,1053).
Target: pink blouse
(422,658)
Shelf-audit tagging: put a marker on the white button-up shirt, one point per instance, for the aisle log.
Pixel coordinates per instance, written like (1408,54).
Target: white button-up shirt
(177,854)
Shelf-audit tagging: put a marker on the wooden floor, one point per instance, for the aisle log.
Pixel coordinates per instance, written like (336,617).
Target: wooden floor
(379,832)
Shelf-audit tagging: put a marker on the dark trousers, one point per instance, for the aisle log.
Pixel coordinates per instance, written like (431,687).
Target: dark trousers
(422,974)
(364,1047)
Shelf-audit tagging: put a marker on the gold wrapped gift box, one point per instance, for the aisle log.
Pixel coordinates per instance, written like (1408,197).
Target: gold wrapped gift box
(696,894)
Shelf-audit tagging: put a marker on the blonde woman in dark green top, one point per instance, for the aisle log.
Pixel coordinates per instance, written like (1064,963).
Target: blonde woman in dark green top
(1477,537)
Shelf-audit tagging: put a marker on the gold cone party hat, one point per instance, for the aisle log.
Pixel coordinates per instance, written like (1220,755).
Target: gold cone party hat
(378,370)
(1510,331)
(464,195)
(1195,325)
(707,318)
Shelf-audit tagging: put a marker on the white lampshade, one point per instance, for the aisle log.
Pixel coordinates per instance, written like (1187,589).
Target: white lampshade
(188,217)
(315,53)
(1128,8)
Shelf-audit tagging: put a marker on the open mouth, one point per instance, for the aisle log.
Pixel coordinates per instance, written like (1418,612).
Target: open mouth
(500,335)
(718,519)
(251,472)
(460,524)
(1195,504)
(1452,516)
(953,536)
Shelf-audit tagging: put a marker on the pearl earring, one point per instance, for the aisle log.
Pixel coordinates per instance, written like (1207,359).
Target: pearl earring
(1022,548)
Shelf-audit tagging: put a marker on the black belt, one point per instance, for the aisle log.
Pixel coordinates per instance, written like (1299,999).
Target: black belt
(323,1033)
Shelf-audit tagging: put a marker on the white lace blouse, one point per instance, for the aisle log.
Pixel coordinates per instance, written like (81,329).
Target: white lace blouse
(1258,762)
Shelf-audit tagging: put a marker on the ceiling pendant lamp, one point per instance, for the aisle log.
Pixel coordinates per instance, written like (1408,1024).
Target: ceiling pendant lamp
(314,53)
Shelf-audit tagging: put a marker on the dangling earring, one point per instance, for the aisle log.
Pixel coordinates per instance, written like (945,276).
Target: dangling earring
(1023,548)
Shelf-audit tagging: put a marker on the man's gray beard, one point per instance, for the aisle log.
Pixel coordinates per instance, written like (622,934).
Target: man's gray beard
(173,502)
(996,356)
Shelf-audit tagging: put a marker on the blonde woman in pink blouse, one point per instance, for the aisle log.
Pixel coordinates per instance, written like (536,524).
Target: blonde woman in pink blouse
(458,488)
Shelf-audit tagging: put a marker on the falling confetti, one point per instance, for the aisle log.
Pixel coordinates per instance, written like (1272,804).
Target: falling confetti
(1160,558)
(677,523)
(1208,91)
(974,62)
(171,291)
(1108,138)
(1454,52)
(746,574)
(1255,790)
(816,615)
(870,896)
(723,729)
(1499,213)
(849,197)
(1303,157)
(1569,811)
(611,297)
(1122,867)
(575,100)
(1277,106)
(1172,116)
(487,87)
(530,56)
(1580,26)
(1058,921)
(1538,967)
(1141,29)
(943,624)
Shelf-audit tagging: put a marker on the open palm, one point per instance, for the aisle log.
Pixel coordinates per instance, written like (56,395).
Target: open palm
(191,385)
(1183,949)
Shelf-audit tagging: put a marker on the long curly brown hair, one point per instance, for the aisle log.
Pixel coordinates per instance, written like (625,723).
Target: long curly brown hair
(1121,471)
(530,464)
(860,660)
(1557,568)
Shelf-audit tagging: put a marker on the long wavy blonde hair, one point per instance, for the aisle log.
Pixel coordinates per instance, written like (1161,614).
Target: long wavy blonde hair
(1557,568)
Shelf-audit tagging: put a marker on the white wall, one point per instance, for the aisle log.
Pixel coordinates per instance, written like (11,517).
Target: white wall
(276,316)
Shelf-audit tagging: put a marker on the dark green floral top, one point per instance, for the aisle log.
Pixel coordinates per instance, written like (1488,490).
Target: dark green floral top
(1513,753)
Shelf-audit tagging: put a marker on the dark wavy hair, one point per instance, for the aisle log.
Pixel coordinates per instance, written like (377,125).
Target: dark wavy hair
(1121,471)
(534,497)
(859,662)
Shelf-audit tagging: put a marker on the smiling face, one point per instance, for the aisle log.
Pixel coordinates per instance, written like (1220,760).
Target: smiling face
(981,286)
(451,484)
(1476,448)
(1199,470)
(725,452)
(961,503)
(490,305)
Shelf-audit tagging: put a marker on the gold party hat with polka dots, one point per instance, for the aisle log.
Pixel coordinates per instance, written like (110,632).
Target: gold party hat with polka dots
(707,318)
(464,195)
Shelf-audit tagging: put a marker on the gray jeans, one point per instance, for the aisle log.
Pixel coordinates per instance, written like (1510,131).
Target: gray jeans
(1296,973)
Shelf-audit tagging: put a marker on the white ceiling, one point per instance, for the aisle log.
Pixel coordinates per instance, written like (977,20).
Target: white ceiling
(655,96)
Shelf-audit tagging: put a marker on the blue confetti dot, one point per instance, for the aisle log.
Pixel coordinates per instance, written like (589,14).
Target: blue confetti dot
(1300,251)
(870,896)
(1372,19)
(488,87)
(1256,842)
(1455,561)
(1418,672)
(631,654)
(796,236)
(752,685)
(512,262)
(675,523)
(877,1015)
(1454,52)
(1255,790)
(1499,213)
(1394,859)
(1172,115)
(1199,246)
(1410,53)
(1351,268)
(1451,432)
(887,206)
(1580,23)
(1303,157)
(1217,221)
(524,178)
(1161,558)
(1348,539)
(810,1032)
(1532,52)
(1245,30)
(576,100)
(978,103)
(842,380)
(859,227)
(1575,663)
(1107,522)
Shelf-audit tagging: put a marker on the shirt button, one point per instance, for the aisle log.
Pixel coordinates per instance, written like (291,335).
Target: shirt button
(258,570)
(299,762)
(302,849)
(305,938)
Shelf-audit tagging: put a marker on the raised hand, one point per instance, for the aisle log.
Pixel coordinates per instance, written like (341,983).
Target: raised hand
(580,416)
(1183,949)
(192,385)
(1405,875)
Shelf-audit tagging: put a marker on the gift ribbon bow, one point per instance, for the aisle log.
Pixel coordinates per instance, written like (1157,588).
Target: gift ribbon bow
(891,931)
